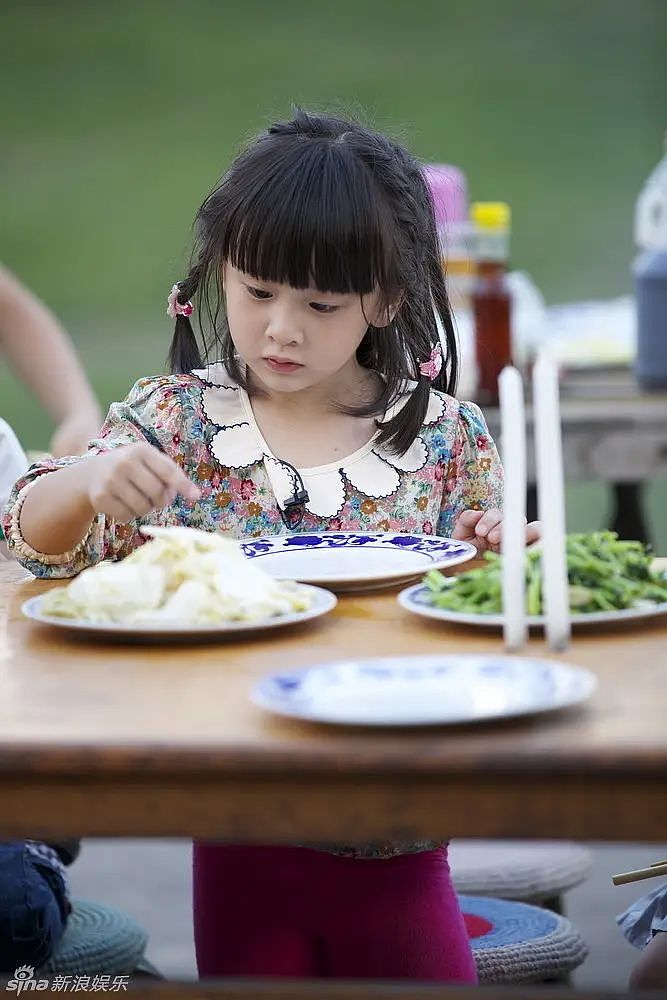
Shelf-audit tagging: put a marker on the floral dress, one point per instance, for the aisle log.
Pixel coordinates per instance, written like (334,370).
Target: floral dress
(205,423)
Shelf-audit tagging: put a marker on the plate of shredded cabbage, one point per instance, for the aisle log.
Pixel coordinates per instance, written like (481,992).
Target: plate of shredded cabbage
(182,583)
(609,580)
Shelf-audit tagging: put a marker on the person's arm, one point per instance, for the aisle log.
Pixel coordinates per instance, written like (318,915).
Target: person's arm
(473,480)
(473,498)
(42,356)
(122,484)
(67,514)
(57,513)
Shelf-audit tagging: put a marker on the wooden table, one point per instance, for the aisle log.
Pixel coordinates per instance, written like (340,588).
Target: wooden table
(612,432)
(112,740)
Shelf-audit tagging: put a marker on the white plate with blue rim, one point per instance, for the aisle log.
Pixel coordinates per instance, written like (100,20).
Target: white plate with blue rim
(355,560)
(451,689)
(418,600)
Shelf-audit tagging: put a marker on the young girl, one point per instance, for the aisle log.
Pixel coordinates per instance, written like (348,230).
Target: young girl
(326,406)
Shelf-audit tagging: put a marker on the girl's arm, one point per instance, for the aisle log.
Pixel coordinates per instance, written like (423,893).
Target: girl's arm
(474,476)
(65,515)
(56,513)
(472,505)
(122,484)
(41,354)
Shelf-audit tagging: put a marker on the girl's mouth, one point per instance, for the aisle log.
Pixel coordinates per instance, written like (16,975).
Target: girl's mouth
(278,365)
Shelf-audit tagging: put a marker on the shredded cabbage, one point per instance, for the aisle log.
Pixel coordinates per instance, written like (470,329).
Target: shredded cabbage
(180,575)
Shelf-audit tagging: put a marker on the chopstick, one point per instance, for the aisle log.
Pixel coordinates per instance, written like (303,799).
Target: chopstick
(657,868)
(551,501)
(513,544)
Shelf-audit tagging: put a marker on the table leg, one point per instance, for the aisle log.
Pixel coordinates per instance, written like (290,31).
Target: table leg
(628,517)
(531,502)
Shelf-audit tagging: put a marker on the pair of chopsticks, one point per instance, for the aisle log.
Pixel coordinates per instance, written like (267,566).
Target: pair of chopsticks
(551,504)
(657,868)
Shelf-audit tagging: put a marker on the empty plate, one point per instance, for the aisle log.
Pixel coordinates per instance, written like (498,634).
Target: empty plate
(349,560)
(424,690)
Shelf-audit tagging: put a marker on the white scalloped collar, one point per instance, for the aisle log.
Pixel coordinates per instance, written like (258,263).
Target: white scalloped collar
(371,469)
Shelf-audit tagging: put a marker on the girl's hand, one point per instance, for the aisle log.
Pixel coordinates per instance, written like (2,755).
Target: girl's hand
(484,529)
(134,479)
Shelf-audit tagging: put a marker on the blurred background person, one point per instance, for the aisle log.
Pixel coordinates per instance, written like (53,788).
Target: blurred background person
(13,463)
(42,356)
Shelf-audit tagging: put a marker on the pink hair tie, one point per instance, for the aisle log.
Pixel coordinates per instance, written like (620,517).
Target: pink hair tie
(174,307)
(432,368)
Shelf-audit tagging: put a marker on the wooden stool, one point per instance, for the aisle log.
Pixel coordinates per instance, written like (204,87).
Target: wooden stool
(98,940)
(518,943)
(532,871)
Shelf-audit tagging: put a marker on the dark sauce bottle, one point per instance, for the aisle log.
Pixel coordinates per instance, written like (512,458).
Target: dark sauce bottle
(490,297)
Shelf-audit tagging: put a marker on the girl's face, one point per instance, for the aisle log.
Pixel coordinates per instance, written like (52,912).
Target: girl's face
(294,339)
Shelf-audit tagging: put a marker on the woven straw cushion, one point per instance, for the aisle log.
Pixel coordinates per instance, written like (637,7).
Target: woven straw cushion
(517,869)
(97,940)
(518,943)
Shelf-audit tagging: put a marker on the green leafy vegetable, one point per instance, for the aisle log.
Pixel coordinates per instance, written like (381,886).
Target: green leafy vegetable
(604,574)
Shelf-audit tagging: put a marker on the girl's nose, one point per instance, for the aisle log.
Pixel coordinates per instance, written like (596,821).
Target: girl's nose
(283,328)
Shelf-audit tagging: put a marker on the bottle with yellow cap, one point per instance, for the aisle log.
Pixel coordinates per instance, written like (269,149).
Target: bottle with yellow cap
(490,296)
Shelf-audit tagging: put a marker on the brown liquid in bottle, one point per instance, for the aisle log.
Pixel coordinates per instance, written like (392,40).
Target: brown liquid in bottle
(491,311)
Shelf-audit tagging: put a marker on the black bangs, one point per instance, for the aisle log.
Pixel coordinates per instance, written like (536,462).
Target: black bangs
(308,216)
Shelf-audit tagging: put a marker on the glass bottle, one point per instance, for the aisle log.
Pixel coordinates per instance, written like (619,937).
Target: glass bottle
(490,296)
(650,273)
(449,194)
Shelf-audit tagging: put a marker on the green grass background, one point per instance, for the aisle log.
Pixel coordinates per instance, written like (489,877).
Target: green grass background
(119,116)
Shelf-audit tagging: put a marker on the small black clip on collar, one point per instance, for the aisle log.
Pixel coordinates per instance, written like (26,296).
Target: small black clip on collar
(293,510)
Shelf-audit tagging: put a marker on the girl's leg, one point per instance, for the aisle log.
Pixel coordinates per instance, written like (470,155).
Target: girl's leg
(395,919)
(251,912)
(294,911)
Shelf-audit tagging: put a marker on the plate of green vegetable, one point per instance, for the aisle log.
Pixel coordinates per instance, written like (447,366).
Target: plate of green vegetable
(609,580)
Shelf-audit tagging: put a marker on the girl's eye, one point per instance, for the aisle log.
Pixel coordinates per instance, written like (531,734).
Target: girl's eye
(322,307)
(258,293)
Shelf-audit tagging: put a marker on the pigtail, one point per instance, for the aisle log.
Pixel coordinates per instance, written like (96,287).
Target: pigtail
(414,329)
(184,353)
(424,320)
(447,380)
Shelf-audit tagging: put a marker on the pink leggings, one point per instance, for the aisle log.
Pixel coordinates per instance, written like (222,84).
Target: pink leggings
(299,912)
